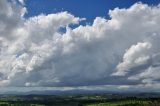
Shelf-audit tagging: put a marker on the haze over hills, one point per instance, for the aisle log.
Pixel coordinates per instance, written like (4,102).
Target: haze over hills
(85,92)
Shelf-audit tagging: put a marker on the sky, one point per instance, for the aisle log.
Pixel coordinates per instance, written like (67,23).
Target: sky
(90,9)
(79,45)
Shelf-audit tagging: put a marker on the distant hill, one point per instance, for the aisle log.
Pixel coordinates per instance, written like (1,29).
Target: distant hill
(85,92)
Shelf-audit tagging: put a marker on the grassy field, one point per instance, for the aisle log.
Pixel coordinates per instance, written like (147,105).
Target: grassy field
(127,102)
(80,100)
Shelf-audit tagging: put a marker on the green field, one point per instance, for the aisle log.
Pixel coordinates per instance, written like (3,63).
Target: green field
(79,100)
(128,103)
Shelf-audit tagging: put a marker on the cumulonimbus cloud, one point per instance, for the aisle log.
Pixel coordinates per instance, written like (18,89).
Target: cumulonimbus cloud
(121,51)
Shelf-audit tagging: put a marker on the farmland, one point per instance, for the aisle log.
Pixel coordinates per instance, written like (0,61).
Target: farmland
(80,100)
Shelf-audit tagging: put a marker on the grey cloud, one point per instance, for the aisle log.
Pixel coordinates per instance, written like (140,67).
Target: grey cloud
(11,16)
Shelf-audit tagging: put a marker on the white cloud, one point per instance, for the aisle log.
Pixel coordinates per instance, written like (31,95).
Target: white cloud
(33,52)
(22,1)
(136,56)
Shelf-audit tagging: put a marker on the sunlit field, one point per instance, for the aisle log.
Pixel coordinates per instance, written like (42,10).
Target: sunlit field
(79,100)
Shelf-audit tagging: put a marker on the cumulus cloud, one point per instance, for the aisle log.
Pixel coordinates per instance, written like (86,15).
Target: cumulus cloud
(137,55)
(121,52)
(22,1)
